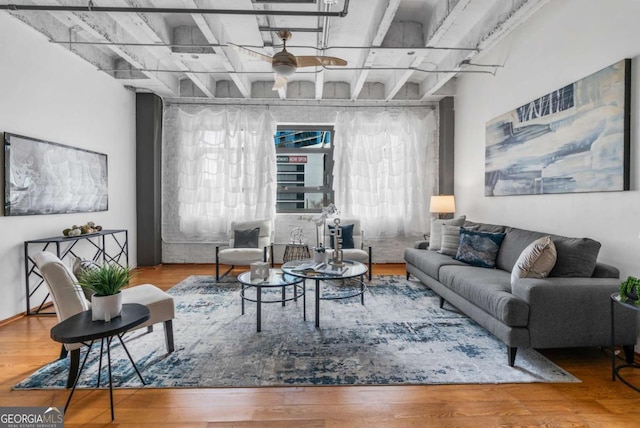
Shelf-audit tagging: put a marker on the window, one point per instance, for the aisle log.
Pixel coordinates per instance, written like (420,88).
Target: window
(305,164)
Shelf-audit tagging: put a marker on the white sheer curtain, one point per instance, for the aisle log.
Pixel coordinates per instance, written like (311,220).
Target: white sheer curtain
(225,169)
(385,171)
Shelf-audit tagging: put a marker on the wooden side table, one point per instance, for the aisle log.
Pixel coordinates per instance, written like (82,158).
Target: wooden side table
(615,369)
(81,329)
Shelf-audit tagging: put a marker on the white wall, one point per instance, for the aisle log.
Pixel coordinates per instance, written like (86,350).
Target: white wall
(563,42)
(50,94)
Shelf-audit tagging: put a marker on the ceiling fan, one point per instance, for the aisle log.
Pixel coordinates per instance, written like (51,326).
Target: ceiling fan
(285,64)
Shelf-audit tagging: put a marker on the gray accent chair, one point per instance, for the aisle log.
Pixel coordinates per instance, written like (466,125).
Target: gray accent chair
(69,299)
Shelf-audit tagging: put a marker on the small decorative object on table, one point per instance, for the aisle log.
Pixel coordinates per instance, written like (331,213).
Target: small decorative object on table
(629,291)
(338,259)
(319,253)
(85,229)
(105,281)
(296,235)
(259,270)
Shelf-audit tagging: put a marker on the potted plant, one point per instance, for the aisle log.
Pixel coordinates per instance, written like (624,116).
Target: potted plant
(629,290)
(105,282)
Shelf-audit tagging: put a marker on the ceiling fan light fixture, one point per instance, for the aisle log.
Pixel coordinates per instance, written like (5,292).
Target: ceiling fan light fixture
(285,70)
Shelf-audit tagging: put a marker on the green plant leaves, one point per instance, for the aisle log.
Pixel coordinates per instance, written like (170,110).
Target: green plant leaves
(106,280)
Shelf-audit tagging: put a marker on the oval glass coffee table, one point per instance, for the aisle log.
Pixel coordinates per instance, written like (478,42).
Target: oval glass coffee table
(276,278)
(351,270)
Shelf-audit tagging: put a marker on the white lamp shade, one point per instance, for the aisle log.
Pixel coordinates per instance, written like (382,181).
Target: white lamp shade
(443,204)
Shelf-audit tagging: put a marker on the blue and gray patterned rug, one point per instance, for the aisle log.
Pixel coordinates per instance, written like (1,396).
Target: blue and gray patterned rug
(400,336)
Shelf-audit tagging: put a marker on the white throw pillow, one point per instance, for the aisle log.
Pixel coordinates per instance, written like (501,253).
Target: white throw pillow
(535,261)
(435,238)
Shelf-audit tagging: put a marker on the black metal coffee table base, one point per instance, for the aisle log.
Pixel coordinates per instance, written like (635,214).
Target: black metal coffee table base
(276,279)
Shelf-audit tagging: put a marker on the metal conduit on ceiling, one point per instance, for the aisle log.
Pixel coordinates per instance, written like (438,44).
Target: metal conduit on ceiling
(91,8)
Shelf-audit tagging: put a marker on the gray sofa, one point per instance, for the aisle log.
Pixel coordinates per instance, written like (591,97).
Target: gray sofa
(569,308)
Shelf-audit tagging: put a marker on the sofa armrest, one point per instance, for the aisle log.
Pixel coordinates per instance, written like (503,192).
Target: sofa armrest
(573,312)
(604,270)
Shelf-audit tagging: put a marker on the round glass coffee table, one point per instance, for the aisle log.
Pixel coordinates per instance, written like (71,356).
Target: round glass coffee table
(352,270)
(276,278)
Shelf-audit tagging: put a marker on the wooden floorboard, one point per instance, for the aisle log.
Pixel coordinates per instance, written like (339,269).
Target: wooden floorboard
(25,346)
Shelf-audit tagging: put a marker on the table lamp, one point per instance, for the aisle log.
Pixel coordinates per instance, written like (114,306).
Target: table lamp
(443,205)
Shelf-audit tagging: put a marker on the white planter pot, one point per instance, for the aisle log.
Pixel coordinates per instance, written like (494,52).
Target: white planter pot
(105,308)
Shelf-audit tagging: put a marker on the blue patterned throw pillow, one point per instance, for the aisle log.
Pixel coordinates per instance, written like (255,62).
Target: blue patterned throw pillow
(479,248)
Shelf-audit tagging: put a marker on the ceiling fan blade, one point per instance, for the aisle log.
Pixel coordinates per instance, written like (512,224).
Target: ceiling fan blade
(280,82)
(310,61)
(251,53)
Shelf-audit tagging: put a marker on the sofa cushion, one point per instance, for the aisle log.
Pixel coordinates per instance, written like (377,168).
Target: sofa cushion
(489,289)
(429,261)
(436,230)
(484,227)
(576,256)
(479,248)
(536,261)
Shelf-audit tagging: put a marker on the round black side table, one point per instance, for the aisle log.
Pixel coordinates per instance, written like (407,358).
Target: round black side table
(81,329)
(615,369)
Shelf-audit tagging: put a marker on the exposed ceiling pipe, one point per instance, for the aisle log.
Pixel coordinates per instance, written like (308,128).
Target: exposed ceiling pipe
(325,26)
(222,45)
(152,70)
(110,9)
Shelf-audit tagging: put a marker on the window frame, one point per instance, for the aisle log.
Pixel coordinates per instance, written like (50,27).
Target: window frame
(327,178)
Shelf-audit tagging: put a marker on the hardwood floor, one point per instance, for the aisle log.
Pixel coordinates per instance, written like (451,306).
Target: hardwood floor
(595,402)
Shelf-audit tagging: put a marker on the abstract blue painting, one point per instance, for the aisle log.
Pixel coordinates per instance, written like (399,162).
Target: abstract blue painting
(573,139)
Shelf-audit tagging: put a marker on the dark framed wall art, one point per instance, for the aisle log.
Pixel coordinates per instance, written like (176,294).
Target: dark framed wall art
(573,139)
(42,177)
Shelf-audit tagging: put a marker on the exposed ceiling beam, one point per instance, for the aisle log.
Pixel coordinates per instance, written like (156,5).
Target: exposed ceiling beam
(368,57)
(102,28)
(243,84)
(398,79)
(157,32)
(58,29)
(518,14)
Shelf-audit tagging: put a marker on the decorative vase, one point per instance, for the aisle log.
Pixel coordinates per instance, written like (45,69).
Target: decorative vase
(105,308)
(319,256)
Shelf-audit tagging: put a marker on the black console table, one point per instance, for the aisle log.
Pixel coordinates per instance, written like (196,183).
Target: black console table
(106,246)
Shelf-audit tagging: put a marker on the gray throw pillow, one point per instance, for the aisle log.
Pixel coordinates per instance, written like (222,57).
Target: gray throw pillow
(451,239)
(247,238)
(435,238)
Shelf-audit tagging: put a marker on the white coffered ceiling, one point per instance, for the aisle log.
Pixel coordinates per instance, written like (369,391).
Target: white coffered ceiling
(395,49)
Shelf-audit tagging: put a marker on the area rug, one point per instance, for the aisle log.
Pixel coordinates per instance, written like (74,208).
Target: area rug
(400,336)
